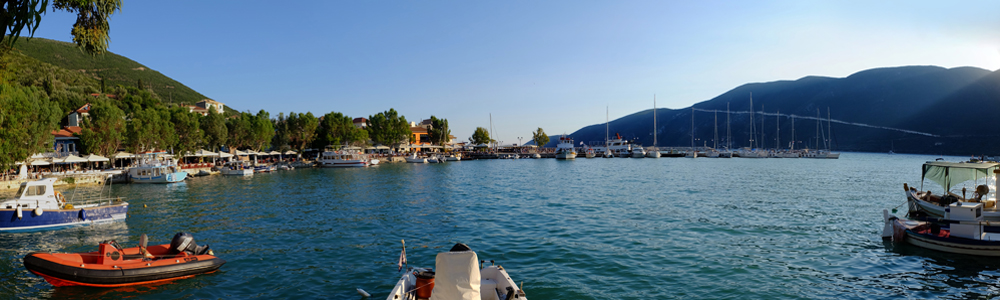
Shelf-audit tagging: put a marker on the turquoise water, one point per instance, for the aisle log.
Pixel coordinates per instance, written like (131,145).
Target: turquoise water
(585,229)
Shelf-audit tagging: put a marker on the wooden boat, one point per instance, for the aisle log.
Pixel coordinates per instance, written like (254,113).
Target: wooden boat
(37,206)
(457,274)
(947,175)
(114,266)
(962,231)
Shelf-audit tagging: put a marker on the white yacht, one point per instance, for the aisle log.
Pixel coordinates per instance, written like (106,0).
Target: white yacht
(565,148)
(152,170)
(638,152)
(343,159)
(414,159)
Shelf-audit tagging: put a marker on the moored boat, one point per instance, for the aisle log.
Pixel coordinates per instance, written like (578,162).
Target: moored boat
(638,152)
(37,206)
(152,170)
(237,169)
(457,274)
(948,175)
(343,158)
(961,231)
(114,266)
(414,159)
(565,149)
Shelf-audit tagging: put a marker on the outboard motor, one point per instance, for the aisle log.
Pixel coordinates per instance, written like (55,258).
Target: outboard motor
(184,242)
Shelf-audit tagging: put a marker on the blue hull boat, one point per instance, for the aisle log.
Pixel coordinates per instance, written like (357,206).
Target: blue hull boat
(37,206)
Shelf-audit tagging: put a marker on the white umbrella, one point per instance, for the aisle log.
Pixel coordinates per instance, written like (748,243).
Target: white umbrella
(94,158)
(274,153)
(70,159)
(202,152)
(41,162)
(122,155)
(225,155)
(290,152)
(242,153)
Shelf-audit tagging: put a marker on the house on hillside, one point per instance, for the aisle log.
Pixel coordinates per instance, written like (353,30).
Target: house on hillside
(76,117)
(360,122)
(202,107)
(66,143)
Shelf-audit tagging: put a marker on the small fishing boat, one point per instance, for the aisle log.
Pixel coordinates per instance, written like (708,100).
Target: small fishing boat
(638,152)
(975,179)
(37,206)
(153,170)
(262,168)
(590,153)
(414,159)
(114,266)
(453,157)
(237,169)
(342,159)
(457,274)
(565,148)
(653,152)
(961,231)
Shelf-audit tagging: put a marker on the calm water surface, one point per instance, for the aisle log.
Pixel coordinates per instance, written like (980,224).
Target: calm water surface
(585,229)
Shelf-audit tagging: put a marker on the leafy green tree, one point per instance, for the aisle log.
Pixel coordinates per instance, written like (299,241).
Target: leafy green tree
(90,32)
(540,137)
(439,131)
(388,128)
(337,129)
(26,119)
(263,130)
(189,134)
(150,129)
(104,131)
(481,136)
(240,131)
(214,126)
(280,140)
(302,129)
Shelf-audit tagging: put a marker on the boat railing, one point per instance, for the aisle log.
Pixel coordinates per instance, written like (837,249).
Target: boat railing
(94,202)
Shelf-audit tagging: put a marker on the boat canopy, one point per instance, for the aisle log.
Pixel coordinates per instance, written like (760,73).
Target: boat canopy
(947,173)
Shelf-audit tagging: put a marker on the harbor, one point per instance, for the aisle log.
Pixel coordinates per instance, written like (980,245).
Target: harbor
(748,221)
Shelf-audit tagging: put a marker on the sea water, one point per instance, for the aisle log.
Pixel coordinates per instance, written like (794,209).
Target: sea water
(596,228)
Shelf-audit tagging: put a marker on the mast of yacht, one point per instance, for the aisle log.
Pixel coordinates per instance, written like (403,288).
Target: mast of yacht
(654,121)
(777,132)
(752,133)
(817,129)
(760,140)
(692,128)
(491,133)
(829,129)
(792,147)
(716,123)
(607,121)
(729,135)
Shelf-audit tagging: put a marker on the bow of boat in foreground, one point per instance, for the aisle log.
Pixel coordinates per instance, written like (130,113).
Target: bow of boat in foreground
(458,274)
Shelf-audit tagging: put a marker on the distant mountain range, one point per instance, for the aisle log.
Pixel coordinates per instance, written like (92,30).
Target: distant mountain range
(912,109)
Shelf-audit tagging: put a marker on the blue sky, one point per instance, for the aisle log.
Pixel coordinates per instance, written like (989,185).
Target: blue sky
(549,64)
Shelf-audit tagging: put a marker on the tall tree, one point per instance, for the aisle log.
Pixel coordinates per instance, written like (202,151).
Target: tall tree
(388,128)
(439,131)
(337,129)
(481,136)
(189,133)
(263,130)
(90,32)
(540,137)
(302,129)
(150,129)
(240,131)
(280,140)
(216,133)
(104,131)
(27,119)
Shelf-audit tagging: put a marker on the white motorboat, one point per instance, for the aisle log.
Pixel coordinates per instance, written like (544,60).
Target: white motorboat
(343,159)
(590,153)
(653,152)
(536,155)
(152,170)
(565,149)
(962,231)
(37,206)
(237,169)
(638,152)
(457,275)
(453,157)
(414,159)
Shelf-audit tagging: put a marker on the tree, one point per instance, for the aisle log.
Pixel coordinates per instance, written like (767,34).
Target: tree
(150,129)
(189,134)
(439,131)
(104,131)
(302,129)
(280,140)
(90,32)
(540,137)
(388,128)
(263,130)
(240,131)
(481,136)
(214,125)
(27,119)
(337,129)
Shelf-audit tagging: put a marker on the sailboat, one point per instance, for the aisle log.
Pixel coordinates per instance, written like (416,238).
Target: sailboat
(728,153)
(693,153)
(822,153)
(653,152)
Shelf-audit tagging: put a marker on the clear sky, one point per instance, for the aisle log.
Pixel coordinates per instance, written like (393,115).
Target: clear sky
(549,64)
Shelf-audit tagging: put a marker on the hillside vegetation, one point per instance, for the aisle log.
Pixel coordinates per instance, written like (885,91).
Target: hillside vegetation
(113,68)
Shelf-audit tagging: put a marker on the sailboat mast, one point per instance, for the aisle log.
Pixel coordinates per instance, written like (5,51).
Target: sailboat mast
(829,129)
(792,147)
(654,120)
(491,132)
(692,128)
(715,141)
(777,132)
(817,128)
(751,121)
(729,135)
(607,121)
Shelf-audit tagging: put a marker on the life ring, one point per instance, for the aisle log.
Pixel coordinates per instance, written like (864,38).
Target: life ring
(60,199)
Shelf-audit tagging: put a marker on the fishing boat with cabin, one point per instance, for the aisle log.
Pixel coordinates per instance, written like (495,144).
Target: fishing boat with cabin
(565,149)
(973,178)
(962,230)
(153,170)
(37,206)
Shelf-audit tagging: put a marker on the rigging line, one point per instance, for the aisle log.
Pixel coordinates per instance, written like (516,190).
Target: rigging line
(822,119)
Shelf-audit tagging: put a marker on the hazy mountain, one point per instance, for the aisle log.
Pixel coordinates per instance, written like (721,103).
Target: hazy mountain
(914,109)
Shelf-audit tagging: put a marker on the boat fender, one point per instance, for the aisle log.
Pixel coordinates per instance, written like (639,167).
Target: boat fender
(60,198)
(363,293)
(38,211)
(19,215)
(887,228)
(83,214)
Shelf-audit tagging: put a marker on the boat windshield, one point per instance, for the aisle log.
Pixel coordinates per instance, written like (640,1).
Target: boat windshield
(20,191)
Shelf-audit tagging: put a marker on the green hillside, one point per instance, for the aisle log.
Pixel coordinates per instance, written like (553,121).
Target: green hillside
(114,68)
